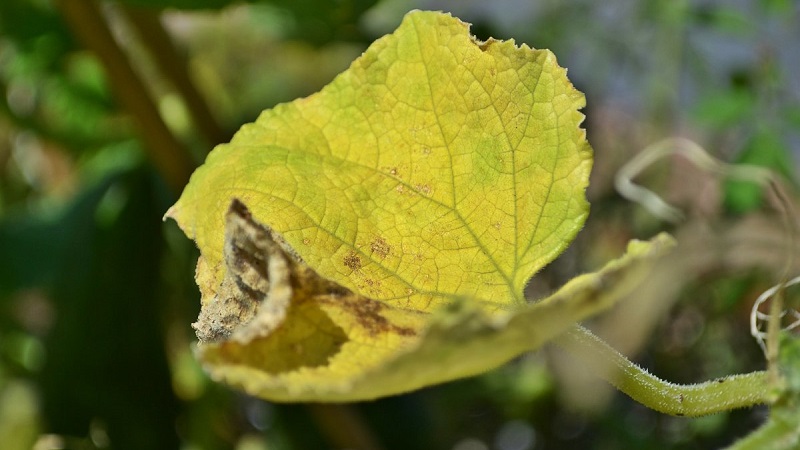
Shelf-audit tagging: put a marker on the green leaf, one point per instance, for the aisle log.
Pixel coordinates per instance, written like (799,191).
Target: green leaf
(353,240)
(766,149)
(726,108)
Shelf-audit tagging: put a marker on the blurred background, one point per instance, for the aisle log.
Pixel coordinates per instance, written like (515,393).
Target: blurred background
(107,106)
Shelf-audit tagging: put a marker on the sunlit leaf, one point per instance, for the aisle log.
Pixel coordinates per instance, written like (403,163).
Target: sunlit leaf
(376,237)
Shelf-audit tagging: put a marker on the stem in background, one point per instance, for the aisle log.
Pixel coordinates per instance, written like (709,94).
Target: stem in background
(774,325)
(773,334)
(669,46)
(174,66)
(723,394)
(168,155)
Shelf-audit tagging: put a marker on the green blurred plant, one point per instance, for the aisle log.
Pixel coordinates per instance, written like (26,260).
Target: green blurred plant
(81,194)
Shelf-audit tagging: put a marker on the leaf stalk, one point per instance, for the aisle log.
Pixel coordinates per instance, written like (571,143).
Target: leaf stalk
(721,394)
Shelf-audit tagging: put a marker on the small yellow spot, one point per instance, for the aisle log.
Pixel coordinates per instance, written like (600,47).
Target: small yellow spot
(424,189)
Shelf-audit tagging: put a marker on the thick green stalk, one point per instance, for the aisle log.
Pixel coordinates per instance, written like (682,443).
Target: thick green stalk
(722,394)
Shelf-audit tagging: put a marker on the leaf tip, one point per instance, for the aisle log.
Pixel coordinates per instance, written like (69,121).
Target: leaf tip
(171,213)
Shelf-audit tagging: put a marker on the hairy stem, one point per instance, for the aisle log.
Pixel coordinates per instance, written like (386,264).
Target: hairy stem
(737,391)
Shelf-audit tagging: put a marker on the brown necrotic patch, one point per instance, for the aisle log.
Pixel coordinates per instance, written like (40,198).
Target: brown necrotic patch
(368,315)
(247,248)
(352,261)
(380,247)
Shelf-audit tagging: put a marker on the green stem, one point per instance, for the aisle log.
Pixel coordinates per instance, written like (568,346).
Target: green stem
(722,394)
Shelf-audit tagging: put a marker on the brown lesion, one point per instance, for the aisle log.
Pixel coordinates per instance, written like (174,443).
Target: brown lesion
(380,247)
(268,287)
(368,314)
(352,261)
(244,288)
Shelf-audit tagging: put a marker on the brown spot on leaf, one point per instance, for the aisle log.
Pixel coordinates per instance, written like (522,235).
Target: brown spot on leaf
(352,260)
(372,283)
(368,314)
(380,247)
(371,287)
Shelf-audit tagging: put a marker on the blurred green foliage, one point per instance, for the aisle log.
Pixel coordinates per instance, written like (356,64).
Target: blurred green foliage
(781,432)
(315,22)
(96,293)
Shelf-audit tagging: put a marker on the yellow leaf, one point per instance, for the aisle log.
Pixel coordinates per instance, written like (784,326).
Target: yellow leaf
(438,173)
(328,353)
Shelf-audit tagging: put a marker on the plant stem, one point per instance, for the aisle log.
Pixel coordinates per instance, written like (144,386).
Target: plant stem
(167,154)
(722,394)
(774,326)
(174,65)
